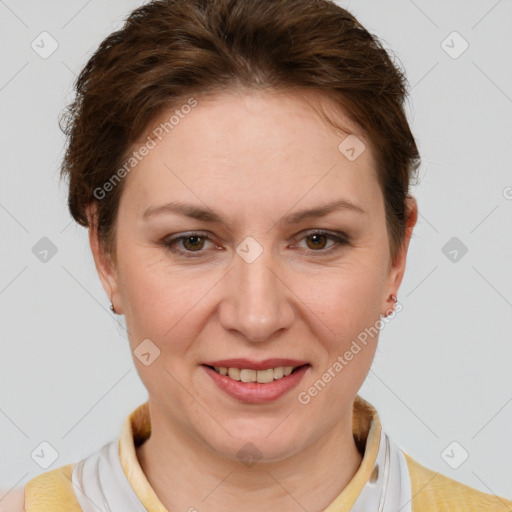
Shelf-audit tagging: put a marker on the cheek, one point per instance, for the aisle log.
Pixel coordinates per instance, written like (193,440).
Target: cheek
(159,307)
(146,292)
(346,297)
(161,302)
(349,311)
(169,302)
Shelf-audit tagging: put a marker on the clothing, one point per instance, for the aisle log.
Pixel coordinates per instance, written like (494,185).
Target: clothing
(387,480)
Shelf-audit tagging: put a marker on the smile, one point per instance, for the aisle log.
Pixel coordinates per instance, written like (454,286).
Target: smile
(245,385)
(260,376)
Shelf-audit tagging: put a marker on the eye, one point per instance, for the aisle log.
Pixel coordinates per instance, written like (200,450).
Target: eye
(316,241)
(190,243)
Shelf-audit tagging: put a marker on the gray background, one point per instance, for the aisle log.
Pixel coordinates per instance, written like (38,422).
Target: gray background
(442,370)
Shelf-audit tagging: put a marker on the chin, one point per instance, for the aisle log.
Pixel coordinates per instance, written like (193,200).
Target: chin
(256,447)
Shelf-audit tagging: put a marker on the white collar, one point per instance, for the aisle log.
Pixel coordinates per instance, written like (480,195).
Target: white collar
(101,483)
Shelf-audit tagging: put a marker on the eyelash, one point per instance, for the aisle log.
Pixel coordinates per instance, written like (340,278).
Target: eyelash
(340,240)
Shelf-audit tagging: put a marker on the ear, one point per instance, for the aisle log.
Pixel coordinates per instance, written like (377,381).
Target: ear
(105,267)
(397,267)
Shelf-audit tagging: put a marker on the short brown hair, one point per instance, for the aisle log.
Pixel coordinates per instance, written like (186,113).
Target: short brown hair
(168,50)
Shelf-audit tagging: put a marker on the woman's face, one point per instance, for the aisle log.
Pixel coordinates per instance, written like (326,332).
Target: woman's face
(261,282)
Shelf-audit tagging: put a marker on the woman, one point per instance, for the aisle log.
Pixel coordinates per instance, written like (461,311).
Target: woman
(243,168)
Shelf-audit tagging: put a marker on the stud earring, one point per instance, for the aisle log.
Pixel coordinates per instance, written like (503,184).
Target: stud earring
(112,307)
(389,312)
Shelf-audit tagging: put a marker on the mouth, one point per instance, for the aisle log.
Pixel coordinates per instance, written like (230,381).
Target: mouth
(249,375)
(261,385)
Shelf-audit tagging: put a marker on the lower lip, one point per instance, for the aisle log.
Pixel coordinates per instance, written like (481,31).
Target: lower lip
(255,392)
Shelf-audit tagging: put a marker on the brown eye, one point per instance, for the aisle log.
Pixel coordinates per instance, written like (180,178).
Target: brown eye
(318,241)
(193,243)
(187,245)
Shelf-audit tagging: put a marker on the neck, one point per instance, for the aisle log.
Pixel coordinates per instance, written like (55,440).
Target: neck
(185,473)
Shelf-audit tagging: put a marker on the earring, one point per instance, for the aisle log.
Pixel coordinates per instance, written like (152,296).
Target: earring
(112,307)
(389,312)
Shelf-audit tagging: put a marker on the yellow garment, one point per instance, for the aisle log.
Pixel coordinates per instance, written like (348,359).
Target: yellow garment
(431,492)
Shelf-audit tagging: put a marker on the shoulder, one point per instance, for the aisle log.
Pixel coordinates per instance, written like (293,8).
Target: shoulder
(13,501)
(434,492)
(53,491)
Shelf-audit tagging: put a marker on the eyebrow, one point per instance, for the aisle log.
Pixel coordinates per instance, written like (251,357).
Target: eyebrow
(207,215)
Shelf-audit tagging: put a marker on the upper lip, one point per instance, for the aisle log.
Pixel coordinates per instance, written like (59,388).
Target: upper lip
(255,365)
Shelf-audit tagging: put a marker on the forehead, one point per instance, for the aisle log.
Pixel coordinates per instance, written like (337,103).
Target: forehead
(266,147)
(254,117)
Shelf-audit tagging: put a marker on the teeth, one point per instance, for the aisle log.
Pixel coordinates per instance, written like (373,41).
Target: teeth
(278,372)
(261,376)
(248,375)
(264,376)
(234,373)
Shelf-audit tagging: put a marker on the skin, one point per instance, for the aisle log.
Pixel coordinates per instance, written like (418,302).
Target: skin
(253,157)
(12,500)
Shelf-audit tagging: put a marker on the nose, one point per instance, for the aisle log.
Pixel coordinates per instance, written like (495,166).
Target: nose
(257,301)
